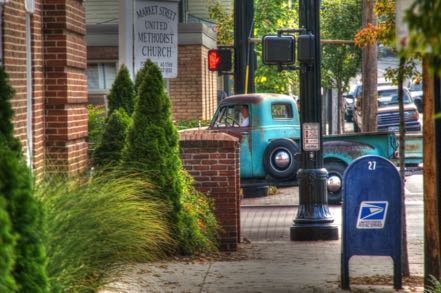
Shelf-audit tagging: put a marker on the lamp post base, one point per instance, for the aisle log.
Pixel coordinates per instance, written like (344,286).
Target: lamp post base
(314,220)
(313,232)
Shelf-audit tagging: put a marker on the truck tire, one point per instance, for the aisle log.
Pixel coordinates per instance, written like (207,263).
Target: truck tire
(279,161)
(335,181)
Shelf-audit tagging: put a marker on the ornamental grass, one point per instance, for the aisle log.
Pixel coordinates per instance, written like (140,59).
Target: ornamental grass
(99,225)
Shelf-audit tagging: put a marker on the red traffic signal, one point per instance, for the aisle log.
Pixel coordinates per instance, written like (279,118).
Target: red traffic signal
(219,60)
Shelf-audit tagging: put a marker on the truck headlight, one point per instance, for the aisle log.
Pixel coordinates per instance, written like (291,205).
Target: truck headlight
(411,115)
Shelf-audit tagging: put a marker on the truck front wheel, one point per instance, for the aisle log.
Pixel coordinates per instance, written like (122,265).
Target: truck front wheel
(335,181)
(279,161)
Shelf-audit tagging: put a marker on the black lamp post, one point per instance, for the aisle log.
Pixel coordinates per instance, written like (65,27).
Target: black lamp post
(243,48)
(314,220)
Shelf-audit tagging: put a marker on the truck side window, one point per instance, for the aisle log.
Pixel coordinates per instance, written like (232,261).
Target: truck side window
(228,116)
(281,111)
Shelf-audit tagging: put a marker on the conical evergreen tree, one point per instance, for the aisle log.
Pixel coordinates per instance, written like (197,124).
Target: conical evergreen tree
(27,222)
(6,113)
(7,256)
(24,211)
(139,78)
(152,139)
(109,150)
(122,94)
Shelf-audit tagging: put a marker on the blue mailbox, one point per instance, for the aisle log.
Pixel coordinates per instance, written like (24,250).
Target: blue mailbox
(372,213)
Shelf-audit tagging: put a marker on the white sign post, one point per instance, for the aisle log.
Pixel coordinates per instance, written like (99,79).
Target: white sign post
(156,35)
(311,137)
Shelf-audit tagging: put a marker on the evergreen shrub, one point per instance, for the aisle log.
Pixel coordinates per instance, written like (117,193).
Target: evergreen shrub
(7,256)
(199,225)
(6,114)
(96,123)
(122,93)
(109,150)
(152,139)
(153,144)
(27,220)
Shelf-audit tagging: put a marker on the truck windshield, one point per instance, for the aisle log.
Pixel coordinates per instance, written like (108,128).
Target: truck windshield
(230,116)
(390,97)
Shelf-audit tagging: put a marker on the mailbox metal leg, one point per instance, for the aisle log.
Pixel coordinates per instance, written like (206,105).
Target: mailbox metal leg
(397,273)
(344,273)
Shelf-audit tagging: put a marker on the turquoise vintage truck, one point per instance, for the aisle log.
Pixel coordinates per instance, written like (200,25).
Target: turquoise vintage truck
(270,141)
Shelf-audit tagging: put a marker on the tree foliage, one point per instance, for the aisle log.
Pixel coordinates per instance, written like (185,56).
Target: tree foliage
(122,93)
(109,150)
(424,37)
(340,19)
(382,32)
(269,16)
(224,23)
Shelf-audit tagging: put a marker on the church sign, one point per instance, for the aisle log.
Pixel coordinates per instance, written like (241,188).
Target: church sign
(156,35)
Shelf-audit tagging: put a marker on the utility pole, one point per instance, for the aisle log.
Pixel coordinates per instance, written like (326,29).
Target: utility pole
(314,220)
(244,64)
(431,174)
(369,73)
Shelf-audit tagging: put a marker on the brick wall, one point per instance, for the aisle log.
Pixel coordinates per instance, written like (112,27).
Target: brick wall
(59,88)
(193,92)
(213,161)
(66,85)
(14,52)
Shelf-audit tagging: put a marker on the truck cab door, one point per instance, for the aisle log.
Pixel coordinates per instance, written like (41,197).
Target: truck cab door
(228,119)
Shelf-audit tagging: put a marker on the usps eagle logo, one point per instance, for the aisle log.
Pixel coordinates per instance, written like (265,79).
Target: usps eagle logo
(372,214)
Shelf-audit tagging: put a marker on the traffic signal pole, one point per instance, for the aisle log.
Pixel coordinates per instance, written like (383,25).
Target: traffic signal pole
(314,220)
(243,49)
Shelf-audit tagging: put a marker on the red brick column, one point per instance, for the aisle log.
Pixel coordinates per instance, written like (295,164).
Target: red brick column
(64,27)
(213,161)
(14,60)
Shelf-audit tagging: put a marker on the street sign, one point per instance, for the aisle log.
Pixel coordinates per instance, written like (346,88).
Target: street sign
(311,136)
(156,35)
(372,213)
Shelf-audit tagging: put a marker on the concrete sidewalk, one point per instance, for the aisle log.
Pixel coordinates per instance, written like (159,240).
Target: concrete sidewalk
(268,261)
(261,267)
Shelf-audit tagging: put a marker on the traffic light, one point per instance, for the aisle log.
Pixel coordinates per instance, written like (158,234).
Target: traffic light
(220,60)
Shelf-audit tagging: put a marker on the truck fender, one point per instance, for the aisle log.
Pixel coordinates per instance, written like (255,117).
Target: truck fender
(279,159)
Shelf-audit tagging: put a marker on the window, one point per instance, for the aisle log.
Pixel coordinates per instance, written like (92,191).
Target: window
(390,97)
(232,116)
(281,111)
(100,76)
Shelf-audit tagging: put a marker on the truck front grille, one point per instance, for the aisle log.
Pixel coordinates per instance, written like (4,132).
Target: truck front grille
(388,118)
